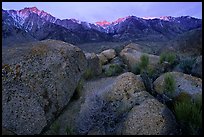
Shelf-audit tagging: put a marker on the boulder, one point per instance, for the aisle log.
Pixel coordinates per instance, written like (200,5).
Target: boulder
(183,83)
(197,67)
(150,118)
(93,63)
(38,84)
(109,53)
(102,59)
(132,56)
(117,60)
(110,111)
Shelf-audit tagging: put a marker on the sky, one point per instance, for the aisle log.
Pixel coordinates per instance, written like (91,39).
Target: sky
(111,11)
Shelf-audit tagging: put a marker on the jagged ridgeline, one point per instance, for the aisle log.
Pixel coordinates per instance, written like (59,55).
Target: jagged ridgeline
(31,24)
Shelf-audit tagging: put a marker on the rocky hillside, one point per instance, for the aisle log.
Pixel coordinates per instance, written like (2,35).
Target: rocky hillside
(52,87)
(40,25)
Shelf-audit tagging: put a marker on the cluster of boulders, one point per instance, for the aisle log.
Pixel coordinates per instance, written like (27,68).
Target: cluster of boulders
(38,85)
(125,108)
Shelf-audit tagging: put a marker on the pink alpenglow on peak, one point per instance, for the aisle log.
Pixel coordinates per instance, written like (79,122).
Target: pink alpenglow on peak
(119,20)
(103,23)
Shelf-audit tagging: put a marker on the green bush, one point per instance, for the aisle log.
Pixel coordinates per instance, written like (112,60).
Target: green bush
(186,65)
(55,128)
(144,61)
(169,57)
(143,65)
(136,69)
(169,83)
(182,97)
(113,70)
(69,130)
(150,71)
(189,115)
(162,58)
(88,74)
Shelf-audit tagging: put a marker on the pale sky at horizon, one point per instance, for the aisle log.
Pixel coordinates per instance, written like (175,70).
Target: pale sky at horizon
(111,11)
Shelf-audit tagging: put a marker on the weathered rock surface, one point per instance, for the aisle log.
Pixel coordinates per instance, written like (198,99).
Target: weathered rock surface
(106,55)
(38,84)
(184,83)
(150,118)
(102,59)
(197,67)
(109,111)
(93,63)
(109,53)
(131,56)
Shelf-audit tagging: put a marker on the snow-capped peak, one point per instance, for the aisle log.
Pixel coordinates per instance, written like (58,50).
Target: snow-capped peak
(166,18)
(103,23)
(147,18)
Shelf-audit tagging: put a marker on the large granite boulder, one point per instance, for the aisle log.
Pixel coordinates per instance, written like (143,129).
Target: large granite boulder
(150,118)
(103,60)
(38,84)
(183,83)
(197,67)
(93,63)
(131,56)
(119,107)
(106,55)
(109,53)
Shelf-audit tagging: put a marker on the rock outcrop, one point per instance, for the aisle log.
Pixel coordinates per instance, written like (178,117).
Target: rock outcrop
(106,55)
(118,109)
(149,118)
(93,63)
(38,84)
(197,67)
(131,56)
(183,83)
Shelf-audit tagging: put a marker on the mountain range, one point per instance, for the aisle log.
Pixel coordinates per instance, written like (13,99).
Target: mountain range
(32,24)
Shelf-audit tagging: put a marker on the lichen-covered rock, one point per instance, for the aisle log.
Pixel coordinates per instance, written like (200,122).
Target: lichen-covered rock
(38,84)
(183,83)
(109,111)
(109,53)
(93,63)
(197,67)
(102,59)
(150,118)
(132,56)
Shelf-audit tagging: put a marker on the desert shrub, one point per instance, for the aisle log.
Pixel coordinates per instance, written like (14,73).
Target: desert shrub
(143,65)
(113,70)
(136,69)
(88,74)
(144,61)
(169,57)
(150,71)
(98,113)
(182,97)
(189,114)
(162,57)
(55,128)
(186,65)
(169,83)
(69,130)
